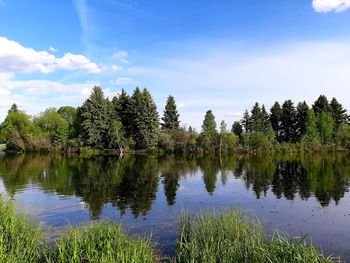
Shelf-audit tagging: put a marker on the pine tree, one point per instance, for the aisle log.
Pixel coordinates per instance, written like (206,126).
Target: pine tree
(265,119)
(302,110)
(275,119)
(208,136)
(288,122)
(246,122)
(95,120)
(338,113)
(171,117)
(145,125)
(256,118)
(13,108)
(320,105)
(124,108)
(237,128)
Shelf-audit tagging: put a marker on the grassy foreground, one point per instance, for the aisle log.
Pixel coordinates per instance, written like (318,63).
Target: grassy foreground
(216,237)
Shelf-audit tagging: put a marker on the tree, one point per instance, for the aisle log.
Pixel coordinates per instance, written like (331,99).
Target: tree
(237,128)
(288,122)
(256,118)
(117,136)
(145,125)
(171,117)
(207,138)
(13,109)
(95,120)
(311,138)
(69,114)
(275,119)
(123,105)
(338,113)
(343,136)
(325,125)
(265,119)
(246,122)
(302,110)
(320,105)
(51,122)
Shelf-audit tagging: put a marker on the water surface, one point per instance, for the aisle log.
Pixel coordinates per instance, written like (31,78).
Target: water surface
(295,194)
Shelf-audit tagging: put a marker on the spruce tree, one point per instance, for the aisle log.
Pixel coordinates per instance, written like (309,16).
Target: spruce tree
(237,128)
(265,119)
(302,110)
(320,105)
(13,108)
(145,120)
(171,117)
(275,119)
(246,122)
(124,108)
(288,121)
(338,113)
(208,136)
(256,118)
(95,120)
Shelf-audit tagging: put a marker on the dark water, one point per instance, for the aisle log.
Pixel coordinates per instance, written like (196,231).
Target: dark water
(298,195)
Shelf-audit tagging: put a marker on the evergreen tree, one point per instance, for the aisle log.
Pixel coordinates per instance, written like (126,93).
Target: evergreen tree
(302,110)
(256,118)
(237,128)
(145,125)
(123,106)
(207,138)
(171,117)
(338,113)
(288,122)
(265,119)
(13,108)
(95,120)
(320,105)
(275,119)
(325,124)
(246,122)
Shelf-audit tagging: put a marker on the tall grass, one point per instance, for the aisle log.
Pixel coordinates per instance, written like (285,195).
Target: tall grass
(230,237)
(102,243)
(20,239)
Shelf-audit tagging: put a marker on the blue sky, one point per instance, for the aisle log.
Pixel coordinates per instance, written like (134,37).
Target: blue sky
(219,55)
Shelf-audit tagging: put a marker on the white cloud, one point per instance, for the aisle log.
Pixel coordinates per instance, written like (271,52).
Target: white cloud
(52,49)
(124,81)
(15,58)
(120,54)
(324,6)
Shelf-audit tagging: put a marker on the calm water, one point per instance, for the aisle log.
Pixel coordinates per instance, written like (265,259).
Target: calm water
(308,195)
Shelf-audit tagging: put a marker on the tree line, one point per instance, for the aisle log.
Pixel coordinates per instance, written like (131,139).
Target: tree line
(132,123)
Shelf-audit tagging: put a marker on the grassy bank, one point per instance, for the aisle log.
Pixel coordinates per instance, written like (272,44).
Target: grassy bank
(216,237)
(230,237)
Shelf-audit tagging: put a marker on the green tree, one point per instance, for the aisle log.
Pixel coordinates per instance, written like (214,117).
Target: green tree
(208,136)
(123,105)
(320,105)
(302,109)
(325,125)
(237,128)
(69,114)
(288,122)
(51,122)
(246,122)
(227,140)
(311,138)
(95,120)
(117,136)
(145,125)
(343,136)
(256,118)
(171,117)
(276,119)
(338,113)
(13,109)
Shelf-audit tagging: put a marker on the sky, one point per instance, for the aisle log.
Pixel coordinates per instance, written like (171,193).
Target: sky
(220,55)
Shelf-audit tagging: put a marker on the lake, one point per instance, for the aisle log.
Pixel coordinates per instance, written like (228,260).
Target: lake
(298,195)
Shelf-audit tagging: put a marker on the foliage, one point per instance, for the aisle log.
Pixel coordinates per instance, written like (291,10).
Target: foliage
(237,128)
(207,140)
(325,124)
(343,136)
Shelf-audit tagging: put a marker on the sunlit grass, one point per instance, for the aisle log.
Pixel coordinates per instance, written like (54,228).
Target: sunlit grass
(230,237)
(101,243)
(20,239)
